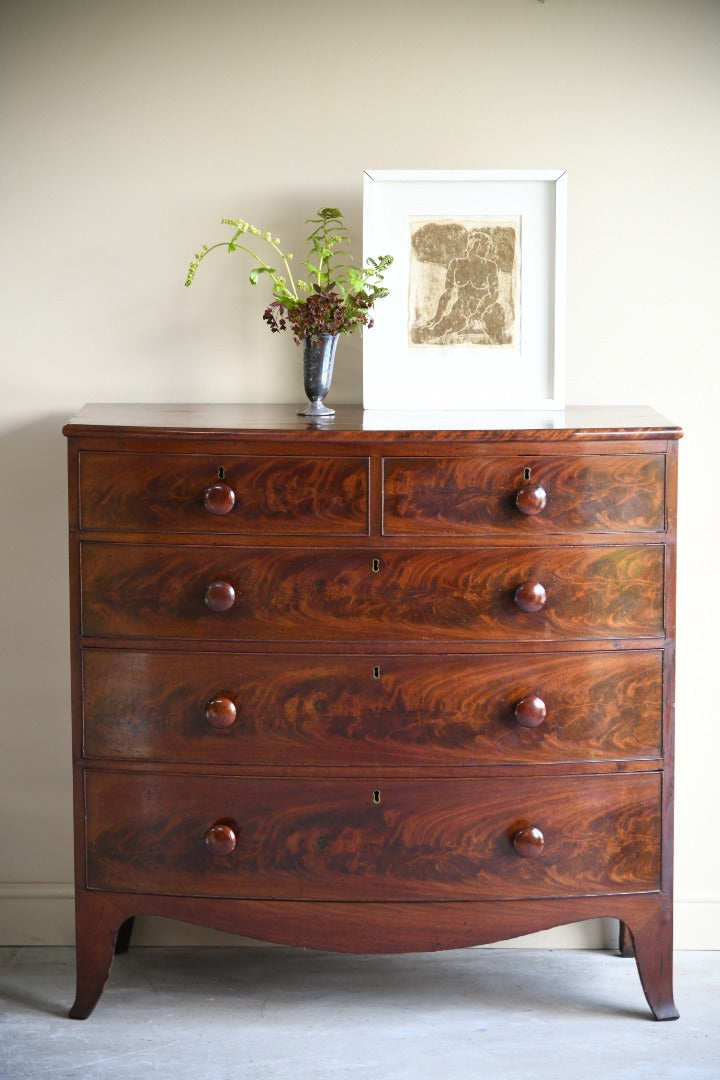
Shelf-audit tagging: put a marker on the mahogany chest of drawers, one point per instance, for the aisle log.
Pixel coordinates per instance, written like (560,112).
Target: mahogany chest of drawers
(372,690)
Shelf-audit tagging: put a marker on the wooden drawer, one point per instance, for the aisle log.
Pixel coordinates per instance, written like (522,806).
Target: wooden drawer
(474,496)
(131,590)
(299,709)
(331,839)
(253,495)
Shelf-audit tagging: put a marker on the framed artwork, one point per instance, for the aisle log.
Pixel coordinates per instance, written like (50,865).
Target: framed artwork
(475,318)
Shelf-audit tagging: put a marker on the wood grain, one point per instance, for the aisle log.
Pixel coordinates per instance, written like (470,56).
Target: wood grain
(335,761)
(295,595)
(283,496)
(300,709)
(378,928)
(328,839)
(264,422)
(472,496)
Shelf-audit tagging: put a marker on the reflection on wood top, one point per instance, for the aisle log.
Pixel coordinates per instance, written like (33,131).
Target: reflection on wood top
(352,421)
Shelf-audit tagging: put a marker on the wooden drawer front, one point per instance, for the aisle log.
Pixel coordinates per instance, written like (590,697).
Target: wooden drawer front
(329,839)
(331,595)
(358,710)
(277,495)
(470,497)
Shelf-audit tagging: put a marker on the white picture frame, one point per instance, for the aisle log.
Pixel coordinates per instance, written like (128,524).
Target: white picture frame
(413,359)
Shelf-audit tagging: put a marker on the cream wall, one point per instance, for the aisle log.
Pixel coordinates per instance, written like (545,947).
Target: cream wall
(129,129)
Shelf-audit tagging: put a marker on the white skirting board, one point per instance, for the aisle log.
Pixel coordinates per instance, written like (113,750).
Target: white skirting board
(42,913)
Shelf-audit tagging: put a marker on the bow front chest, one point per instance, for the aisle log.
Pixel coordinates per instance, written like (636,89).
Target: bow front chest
(370,690)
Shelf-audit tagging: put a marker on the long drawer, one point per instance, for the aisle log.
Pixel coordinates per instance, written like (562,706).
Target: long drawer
(372,839)
(223,593)
(308,709)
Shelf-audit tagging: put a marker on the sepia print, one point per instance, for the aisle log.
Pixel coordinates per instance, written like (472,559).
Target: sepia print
(464,282)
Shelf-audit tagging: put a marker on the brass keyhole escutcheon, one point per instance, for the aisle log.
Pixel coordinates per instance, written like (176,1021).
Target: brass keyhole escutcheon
(376,672)
(221,472)
(376,796)
(526,473)
(376,566)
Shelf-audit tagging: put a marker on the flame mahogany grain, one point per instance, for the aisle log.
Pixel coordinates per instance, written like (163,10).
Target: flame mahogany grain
(158,590)
(471,497)
(341,759)
(302,495)
(300,709)
(311,839)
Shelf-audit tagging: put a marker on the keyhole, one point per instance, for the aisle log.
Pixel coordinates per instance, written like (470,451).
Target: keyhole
(376,566)
(526,473)
(376,796)
(376,672)
(221,472)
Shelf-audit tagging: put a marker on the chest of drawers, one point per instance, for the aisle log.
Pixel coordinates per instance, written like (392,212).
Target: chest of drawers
(372,690)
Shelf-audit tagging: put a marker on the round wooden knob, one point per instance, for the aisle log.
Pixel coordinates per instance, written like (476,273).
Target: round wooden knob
(219,596)
(531,499)
(218,499)
(221,838)
(529,842)
(530,596)
(221,712)
(530,711)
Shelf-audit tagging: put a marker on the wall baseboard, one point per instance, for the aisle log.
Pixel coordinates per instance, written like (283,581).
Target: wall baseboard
(42,913)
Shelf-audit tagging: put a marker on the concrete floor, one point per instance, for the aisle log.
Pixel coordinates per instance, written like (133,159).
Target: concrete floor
(261,1013)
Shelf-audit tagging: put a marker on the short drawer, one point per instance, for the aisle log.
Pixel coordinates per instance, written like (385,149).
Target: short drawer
(529,495)
(373,839)
(300,709)
(132,590)
(198,493)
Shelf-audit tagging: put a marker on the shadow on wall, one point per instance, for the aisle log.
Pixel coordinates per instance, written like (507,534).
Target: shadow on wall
(35,751)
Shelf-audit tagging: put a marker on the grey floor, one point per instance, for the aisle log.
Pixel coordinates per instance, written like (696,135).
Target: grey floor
(485,1014)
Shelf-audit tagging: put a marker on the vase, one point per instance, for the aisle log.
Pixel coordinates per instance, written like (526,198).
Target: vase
(318,360)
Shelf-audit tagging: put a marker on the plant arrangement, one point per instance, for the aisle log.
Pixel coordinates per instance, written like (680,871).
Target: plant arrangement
(335,297)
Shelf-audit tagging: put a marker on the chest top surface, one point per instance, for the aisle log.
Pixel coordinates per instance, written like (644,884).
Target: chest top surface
(352,422)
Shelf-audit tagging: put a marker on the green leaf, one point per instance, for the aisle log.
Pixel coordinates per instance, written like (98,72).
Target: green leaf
(258,270)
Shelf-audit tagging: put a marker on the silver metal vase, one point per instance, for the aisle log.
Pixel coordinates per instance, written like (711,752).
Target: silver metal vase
(318,359)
